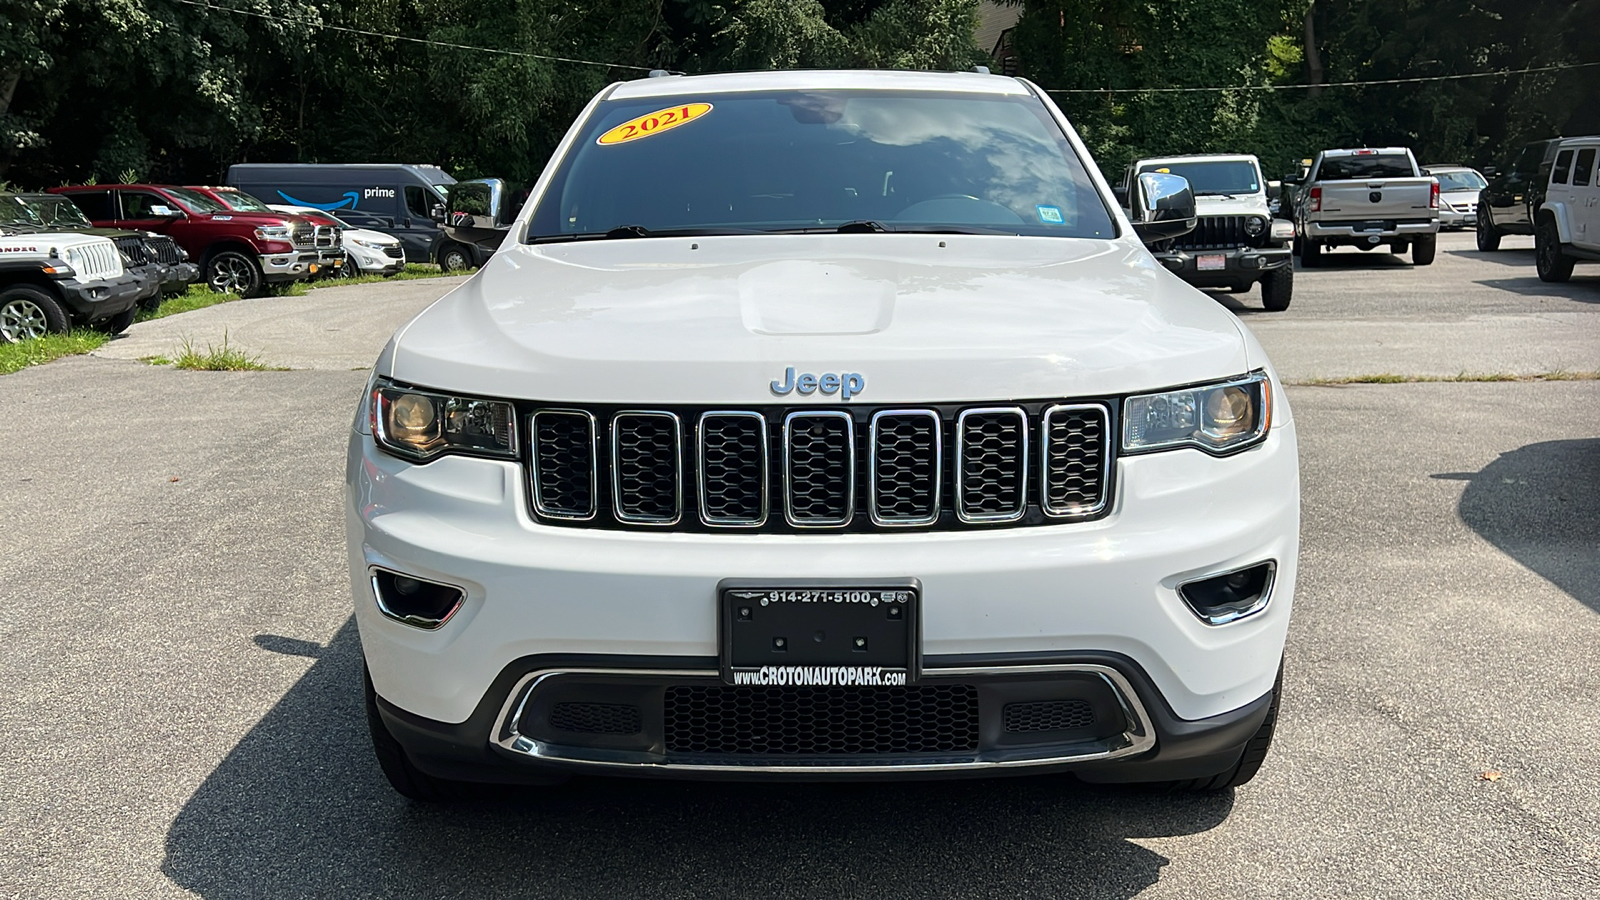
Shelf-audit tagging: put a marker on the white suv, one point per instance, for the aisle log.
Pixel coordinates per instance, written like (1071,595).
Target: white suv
(1568,225)
(820,425)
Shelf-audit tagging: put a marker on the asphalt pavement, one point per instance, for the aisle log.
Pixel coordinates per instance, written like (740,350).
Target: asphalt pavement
(182,712)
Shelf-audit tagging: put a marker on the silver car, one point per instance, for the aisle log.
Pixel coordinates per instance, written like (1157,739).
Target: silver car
(1458,195)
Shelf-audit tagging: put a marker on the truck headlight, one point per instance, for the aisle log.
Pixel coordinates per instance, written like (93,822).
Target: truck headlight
(423,424)
(273,233)
(1218,418)
(1254,225)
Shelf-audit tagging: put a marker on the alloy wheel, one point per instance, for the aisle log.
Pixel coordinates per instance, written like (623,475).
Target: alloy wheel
(230,274)
(22,319)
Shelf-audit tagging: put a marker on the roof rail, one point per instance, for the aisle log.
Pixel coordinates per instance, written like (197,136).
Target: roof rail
(981,70)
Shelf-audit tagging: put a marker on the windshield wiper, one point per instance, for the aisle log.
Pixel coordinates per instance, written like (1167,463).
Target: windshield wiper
(637,231)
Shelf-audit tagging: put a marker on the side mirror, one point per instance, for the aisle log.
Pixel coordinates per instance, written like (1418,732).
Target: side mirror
(1121,193)
(1274,190)
(1292,178)
(1163,207)
(437,213)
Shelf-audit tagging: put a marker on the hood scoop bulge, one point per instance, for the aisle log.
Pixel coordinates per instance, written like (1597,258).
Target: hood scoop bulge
(814,298)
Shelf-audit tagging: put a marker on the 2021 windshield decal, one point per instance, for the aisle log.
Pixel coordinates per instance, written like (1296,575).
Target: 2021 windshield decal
(654,123)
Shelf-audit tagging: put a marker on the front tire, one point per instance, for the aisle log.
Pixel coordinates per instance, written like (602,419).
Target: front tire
(118,323)
(232,272)
(1488,237)
(1423,248)
(1553,265)
(453,258)
(27,312)
(1255,753)
(349,269)
(1310,253)
(1277,288)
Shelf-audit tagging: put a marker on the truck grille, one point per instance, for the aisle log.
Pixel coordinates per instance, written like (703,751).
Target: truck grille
(326,237)
(99,259)
(304,234)
(163,249)
(779,470)
(1220,233)
(132,246)
(819,721)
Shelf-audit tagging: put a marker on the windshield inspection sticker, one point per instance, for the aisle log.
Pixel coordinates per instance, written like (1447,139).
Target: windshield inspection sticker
(1050,215)
(654,123)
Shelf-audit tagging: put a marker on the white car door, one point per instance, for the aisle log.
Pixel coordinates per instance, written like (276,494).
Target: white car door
(1584,199)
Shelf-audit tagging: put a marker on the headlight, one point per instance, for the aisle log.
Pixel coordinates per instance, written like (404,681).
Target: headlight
(273,233)
(363,242)
(1254,225)
(1218,418)
(423,424)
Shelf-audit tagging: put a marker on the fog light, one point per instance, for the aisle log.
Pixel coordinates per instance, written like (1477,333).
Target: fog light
(1230,596)
(415,601)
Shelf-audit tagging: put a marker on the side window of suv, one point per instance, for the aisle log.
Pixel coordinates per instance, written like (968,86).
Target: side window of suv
(96,205)
(1580,173)
(1558,175)
(137,204)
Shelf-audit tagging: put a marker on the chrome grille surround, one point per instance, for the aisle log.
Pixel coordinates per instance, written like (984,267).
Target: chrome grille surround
(755,424)
(1064,465)
(985,490)
(636,468)
(550,438)
(303,234)
(886,477)
(813,494)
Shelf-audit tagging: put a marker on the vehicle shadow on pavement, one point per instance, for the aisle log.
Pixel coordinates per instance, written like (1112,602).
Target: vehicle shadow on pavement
(1520,258)
(299,809)
(1579,289)
(1377,258)
(1536,504)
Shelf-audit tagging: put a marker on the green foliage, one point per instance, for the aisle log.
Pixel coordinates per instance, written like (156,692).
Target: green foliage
(36,351)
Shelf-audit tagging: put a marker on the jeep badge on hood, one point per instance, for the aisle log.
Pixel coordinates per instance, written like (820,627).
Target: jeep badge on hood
(846,384)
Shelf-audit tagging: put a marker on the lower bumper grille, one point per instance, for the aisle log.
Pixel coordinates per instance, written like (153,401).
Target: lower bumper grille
(816,721)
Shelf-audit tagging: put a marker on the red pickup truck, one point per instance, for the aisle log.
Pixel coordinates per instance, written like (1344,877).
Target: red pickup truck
(238,252)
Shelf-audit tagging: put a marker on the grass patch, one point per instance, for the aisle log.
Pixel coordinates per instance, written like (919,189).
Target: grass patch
(411,272)
(198,296)
(52,346)
(216,359)
(1389,378)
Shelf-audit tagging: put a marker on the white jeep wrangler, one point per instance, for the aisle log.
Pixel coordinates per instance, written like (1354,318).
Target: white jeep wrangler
(51,282)
(824,425)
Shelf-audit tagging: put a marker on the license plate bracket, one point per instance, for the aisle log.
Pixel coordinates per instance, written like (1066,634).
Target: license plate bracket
(842,632)
(1211,262)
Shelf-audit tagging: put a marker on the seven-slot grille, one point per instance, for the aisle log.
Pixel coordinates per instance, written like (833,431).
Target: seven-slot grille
(786,470)
(132,246)
(1218,233)
(164,249)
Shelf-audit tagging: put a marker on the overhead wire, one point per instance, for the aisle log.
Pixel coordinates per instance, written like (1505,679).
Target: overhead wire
(1327,84)
(206,4)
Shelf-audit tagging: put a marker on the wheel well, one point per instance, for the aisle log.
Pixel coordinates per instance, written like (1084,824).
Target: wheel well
(31,278)
(225,245)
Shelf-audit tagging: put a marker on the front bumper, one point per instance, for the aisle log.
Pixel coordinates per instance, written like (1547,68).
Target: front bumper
(150,277)
(179,277)
(293,265)
(1240,265)
(1126,731)
(1108,585)
(373,262)
(96,301)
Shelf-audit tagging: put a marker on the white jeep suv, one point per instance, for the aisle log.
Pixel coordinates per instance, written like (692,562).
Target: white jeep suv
(824,425)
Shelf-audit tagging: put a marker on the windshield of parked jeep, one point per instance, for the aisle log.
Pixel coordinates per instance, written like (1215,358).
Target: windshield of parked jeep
(1213,177)
(1460,181)
(196,201)
(53,210)
(239,201)
(792,161)
(13,211)
(1375,165)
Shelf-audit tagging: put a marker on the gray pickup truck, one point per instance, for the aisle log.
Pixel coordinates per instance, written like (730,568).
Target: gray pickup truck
(1365,198)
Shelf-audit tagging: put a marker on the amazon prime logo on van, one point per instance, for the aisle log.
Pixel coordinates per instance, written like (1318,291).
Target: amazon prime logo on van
(845,384)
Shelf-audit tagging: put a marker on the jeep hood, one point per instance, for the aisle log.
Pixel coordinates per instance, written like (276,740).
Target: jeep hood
(922,318)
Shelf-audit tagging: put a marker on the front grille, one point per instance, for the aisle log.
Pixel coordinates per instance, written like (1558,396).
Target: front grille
(1220,233)
(303,234)
(132,246)
(992,453)
(564,464)
(781,470)
(394,252)
(326,237)
(1047,715)
(597,718)
(99,259)
(820,468)
(164,249)
(821,721)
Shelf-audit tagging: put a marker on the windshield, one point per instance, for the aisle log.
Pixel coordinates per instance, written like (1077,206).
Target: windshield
(196,201)
(802,161)
(52,210)
(13,211)
(1376,165)
(1460,181)
(1213,177)
(239,201)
